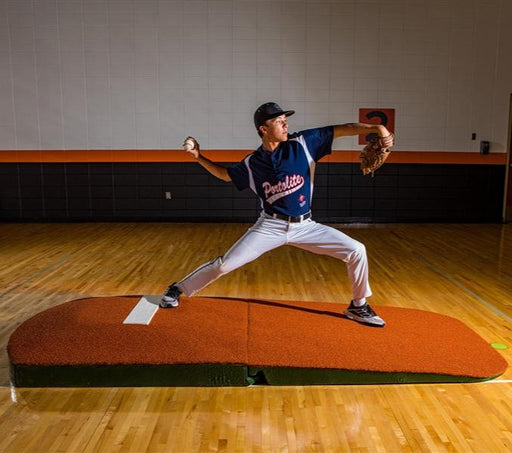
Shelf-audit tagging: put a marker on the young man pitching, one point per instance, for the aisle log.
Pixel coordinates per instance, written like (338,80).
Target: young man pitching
(281,173)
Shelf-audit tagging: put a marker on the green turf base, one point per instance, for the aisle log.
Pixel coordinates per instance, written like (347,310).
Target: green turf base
(209,375)
(316,376)
(186,375)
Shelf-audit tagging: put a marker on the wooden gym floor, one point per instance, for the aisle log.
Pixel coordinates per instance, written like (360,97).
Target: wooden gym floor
(463,271)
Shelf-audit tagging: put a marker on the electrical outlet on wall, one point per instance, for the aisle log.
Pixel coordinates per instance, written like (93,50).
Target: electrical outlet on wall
(168,195)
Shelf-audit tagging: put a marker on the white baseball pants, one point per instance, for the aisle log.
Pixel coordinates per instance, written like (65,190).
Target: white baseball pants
(269,233)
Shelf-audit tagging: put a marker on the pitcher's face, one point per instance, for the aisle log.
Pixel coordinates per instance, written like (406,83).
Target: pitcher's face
(276,129)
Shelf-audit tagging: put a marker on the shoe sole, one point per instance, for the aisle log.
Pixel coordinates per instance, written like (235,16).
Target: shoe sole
(168,304)
(363,320)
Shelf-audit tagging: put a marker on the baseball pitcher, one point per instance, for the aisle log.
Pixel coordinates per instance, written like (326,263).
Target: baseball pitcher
(281,173)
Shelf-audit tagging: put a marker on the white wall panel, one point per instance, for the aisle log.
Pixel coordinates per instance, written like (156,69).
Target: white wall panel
(86,74)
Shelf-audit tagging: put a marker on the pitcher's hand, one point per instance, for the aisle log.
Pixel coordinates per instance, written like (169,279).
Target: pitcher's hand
(191,146)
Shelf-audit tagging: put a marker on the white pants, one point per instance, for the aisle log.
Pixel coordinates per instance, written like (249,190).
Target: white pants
(269,233)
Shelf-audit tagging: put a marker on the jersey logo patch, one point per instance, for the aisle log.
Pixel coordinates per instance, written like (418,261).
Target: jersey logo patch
(302,200)
(282,188)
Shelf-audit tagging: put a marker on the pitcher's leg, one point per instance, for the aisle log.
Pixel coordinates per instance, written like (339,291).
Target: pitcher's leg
(325,240)
(260,238)
(238,255)
(357,266)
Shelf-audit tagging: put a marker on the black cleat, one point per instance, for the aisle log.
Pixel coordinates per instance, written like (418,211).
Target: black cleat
(171,297)
(364,315)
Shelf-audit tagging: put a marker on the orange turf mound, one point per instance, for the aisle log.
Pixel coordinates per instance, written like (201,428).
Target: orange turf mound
(257,334)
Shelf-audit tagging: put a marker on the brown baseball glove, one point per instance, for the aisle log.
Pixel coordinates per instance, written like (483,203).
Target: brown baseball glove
(375,153)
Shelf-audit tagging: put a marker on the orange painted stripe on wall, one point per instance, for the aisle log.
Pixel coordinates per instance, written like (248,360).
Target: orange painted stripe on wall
(220,155)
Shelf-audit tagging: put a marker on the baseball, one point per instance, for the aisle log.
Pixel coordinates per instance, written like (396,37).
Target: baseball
(188,145)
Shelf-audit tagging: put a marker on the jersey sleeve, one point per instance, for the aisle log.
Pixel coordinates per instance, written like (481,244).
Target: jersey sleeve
(319,141)
(239,174)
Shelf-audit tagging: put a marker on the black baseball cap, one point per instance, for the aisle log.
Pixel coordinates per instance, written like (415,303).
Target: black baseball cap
(268,111)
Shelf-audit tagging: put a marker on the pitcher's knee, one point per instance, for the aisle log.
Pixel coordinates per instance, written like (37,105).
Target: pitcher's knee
(358,252)
(222,266)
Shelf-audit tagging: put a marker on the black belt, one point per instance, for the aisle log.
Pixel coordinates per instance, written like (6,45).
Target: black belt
(289,218)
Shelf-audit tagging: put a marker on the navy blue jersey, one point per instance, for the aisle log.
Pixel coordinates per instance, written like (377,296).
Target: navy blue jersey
(284,178)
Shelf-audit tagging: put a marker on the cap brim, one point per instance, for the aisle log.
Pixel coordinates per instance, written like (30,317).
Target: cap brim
(286,113)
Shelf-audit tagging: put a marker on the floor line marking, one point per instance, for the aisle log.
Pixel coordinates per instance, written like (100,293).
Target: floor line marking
(464,288)
(503,381)
(37,274)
